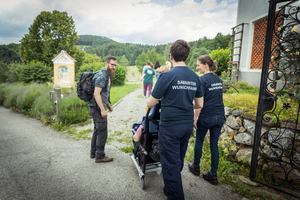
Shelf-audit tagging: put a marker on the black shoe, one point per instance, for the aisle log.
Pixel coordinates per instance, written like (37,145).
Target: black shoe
(193,169)
(211,178)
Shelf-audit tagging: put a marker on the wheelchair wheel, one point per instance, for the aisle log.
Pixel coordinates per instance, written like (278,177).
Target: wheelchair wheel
(143,182)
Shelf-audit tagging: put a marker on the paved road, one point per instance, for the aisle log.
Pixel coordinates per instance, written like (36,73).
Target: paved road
(39,163)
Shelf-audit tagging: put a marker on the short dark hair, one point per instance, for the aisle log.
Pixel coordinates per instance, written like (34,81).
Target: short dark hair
(180,50)
(107,59)
(206,59)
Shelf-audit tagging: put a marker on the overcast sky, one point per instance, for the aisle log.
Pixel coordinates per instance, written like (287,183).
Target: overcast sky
(132,21)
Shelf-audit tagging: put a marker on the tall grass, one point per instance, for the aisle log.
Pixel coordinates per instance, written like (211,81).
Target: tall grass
(246,102)
(118,92)
(34,100)
(72,110)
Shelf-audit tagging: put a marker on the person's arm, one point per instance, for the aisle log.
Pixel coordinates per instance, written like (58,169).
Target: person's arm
(196,114)
(143,77)
(198,105)
(151,102)
(99,101)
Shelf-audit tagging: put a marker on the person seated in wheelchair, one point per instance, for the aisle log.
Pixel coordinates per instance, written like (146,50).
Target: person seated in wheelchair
(138,134)
(154,152)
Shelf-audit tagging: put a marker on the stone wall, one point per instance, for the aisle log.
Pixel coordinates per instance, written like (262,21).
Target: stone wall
(237,135)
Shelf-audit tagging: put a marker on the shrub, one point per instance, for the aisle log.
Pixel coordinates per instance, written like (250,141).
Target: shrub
(119,78)
(14,73)
(27,97)
(243,85)
(72,110)
(43,107)
(3,72)
(222,58)
(1,96)
(87,67)
(11,94)
(36,72)
(120,74)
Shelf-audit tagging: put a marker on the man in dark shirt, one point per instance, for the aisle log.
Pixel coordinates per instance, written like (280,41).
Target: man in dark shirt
(177,89)
(97,104)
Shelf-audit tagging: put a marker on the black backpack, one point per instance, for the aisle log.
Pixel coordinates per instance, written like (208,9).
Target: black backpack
(85,87)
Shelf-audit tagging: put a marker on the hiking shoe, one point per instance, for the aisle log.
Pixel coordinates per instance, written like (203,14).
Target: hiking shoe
(211,178)
(194,170)
(105,159)
(92,156)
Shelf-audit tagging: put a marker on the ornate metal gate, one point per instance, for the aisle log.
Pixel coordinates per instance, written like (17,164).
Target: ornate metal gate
(276,152)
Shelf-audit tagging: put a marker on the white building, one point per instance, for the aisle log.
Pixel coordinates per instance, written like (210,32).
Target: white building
(249,42)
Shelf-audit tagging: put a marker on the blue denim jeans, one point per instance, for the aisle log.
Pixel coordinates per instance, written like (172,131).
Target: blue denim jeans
(157,75)
(214,125)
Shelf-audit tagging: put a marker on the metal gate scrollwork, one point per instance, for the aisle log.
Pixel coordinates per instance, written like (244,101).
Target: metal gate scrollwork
(276,152)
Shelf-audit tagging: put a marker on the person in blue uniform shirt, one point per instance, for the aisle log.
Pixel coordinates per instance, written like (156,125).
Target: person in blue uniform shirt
(211,117)
(177,89)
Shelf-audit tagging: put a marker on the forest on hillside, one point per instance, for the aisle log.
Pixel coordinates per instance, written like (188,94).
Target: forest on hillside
(103,47)
(10,53)
(131,51)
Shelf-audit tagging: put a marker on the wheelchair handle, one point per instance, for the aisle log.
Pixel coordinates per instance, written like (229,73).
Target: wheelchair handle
(148,111)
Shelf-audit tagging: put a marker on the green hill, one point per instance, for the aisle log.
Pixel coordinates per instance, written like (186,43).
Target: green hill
(93,40)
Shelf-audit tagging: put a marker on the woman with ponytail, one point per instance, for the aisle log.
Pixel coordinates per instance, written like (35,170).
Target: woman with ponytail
(210,117)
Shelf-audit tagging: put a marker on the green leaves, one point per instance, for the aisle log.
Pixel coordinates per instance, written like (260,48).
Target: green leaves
(120,76)
(48,35)
(141,61)
(36,72)
(222,58)
(152,56)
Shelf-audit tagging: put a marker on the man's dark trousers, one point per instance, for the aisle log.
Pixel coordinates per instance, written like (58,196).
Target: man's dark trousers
(173,142)
(100,133)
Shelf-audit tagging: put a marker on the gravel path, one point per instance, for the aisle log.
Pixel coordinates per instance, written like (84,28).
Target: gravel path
(37,162)
(127,111)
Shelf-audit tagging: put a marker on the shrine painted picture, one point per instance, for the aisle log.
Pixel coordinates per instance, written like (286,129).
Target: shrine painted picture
(63,74)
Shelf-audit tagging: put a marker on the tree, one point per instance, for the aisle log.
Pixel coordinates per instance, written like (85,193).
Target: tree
(123,61)
(48,35)
(194,55)
(141,61)
(222,58)
(89,58)
(166,53)
(10,53)
(153,57)
(3,72)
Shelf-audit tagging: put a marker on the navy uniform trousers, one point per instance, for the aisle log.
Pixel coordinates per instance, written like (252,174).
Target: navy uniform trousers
(173,142)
